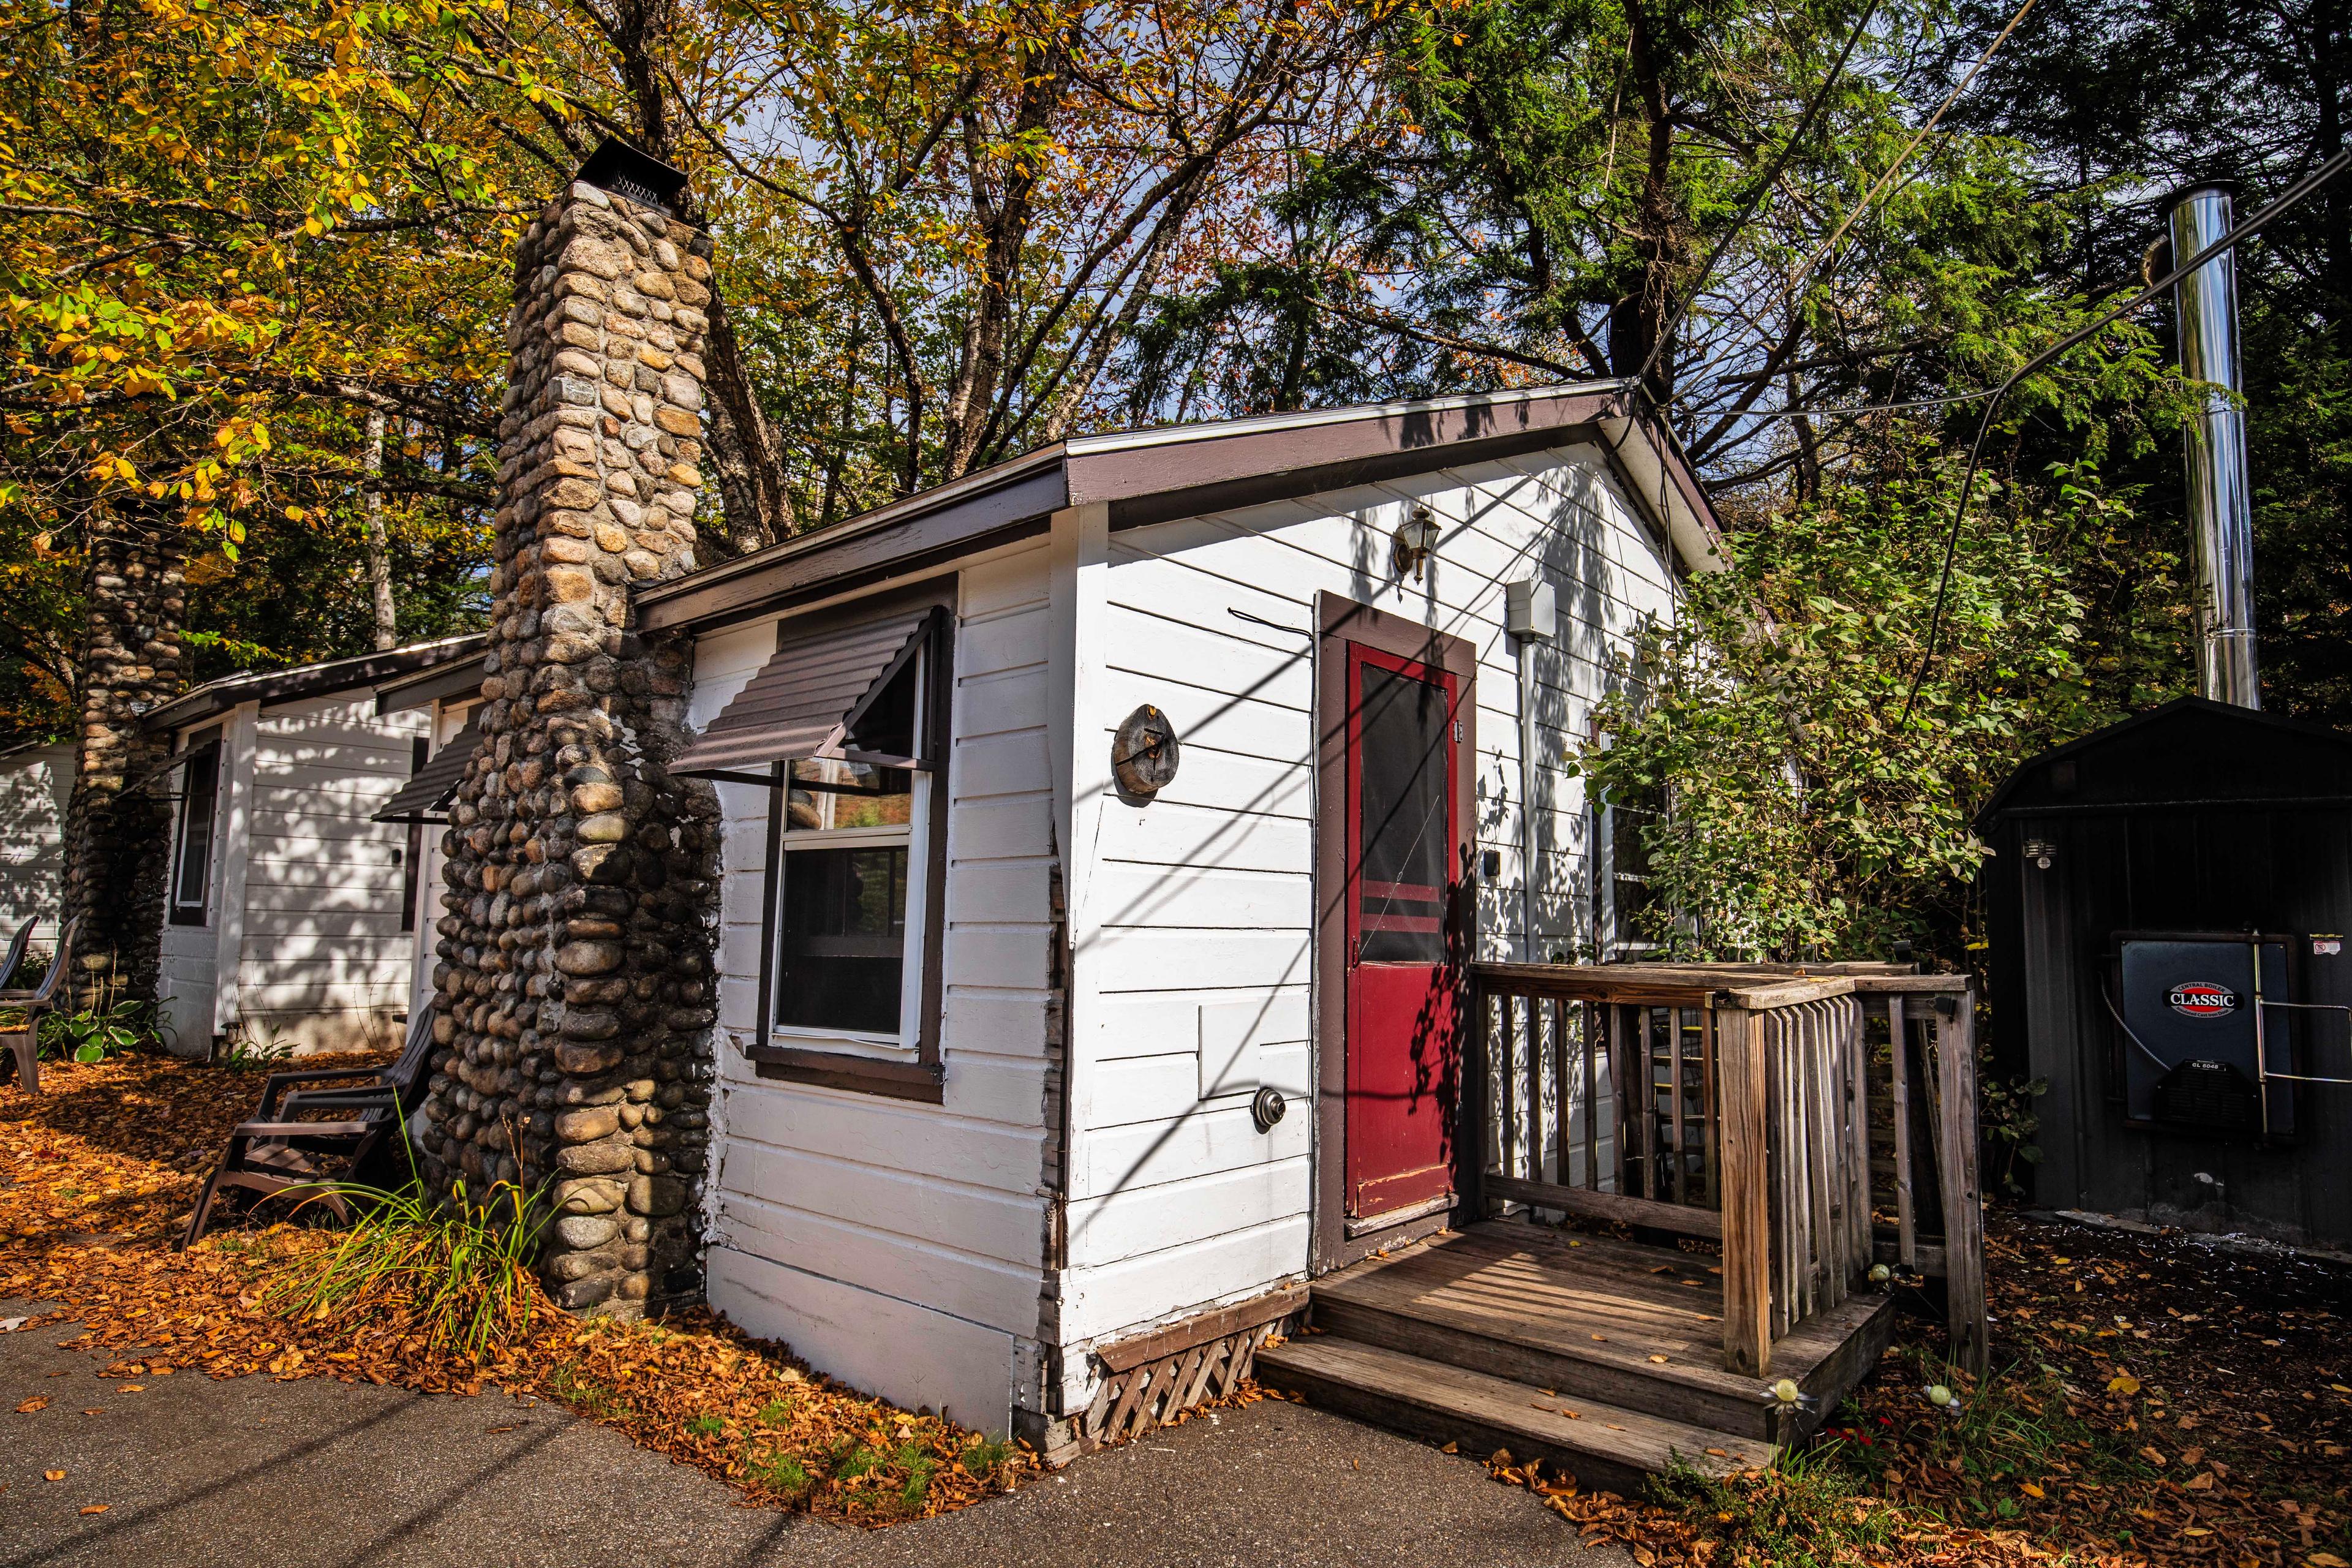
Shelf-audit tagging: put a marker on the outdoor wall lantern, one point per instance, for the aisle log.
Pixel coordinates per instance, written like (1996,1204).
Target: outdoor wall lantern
(1143,752)
(1416,539)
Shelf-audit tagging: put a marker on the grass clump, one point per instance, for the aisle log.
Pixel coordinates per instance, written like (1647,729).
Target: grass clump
(984,1456)
(706,1426)
(775,1413)
(780,1472)
(457,1277)
(1812,1509)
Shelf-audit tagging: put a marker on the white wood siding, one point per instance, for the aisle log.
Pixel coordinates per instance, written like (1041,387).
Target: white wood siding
(323,961)
(449,718)
(897,1244)
(1192,916)
(35,785)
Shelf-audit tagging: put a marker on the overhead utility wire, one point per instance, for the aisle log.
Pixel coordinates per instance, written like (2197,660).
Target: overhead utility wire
(1803,274)
(2278,208)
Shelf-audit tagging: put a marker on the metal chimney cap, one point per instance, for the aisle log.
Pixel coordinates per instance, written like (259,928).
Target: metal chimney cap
(2227,185)
(640,177)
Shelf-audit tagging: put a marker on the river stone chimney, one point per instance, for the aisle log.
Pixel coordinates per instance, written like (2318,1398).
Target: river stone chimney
(118,819)
(574,996)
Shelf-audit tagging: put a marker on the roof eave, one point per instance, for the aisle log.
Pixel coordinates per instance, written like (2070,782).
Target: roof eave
(317,679)
(1159,475)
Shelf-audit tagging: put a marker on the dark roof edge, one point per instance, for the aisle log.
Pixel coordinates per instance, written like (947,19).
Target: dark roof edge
(21,747)
(307,680)
(421,688)
(1997,806)
(1176,471)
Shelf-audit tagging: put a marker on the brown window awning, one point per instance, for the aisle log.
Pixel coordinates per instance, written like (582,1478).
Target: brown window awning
(807,698)
(428,789)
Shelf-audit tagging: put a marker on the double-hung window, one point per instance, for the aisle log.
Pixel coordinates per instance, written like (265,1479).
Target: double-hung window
(848,887)
(847,722)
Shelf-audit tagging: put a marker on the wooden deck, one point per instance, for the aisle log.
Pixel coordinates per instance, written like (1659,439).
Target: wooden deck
(1605,1357)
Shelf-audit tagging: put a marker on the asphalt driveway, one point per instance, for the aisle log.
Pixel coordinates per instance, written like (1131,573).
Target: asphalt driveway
(190,1472)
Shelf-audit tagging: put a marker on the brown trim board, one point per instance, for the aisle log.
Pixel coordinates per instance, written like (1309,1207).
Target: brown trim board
(1148,476)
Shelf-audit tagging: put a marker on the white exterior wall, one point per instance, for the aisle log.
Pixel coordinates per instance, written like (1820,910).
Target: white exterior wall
(199,968)
(302,942)
(35,785)
(1191,916)
(323,961)
(448,719)
(897,1244)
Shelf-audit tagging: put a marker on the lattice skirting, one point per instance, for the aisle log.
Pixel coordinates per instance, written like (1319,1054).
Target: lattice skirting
(1156,1393)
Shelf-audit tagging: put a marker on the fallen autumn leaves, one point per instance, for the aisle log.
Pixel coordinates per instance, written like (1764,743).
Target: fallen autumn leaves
(2161,1402)
(103,1167)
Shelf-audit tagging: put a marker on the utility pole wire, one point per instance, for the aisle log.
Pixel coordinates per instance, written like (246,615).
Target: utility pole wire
(2278,208)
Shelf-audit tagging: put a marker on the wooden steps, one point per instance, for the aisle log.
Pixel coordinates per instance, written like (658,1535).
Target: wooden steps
(1604,1445)
(1483,1336)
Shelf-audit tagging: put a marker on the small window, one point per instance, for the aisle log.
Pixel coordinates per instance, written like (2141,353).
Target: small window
(851,873)
(412,860)
(192,863)
(1625,893)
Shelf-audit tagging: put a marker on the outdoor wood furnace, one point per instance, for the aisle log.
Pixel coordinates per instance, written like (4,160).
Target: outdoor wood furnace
(2166,904)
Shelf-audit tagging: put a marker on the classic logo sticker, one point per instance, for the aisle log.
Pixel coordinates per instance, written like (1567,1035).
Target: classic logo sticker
(2202,999)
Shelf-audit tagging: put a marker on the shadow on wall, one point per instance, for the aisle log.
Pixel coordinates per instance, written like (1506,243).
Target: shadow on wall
(322,962)
(1569,546)
(33,787)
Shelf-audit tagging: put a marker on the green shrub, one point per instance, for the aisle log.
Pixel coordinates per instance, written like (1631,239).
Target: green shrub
(93,1036)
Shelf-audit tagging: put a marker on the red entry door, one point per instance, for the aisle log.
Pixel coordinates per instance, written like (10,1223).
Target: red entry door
(1402,852)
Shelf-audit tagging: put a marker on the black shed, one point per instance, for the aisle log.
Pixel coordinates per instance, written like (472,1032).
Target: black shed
(2167,899)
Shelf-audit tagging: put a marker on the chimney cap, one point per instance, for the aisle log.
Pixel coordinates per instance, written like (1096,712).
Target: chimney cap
(2182,192)
(640,177)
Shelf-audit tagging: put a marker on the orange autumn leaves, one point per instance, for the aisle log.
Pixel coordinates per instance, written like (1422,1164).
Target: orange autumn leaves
(106,1162)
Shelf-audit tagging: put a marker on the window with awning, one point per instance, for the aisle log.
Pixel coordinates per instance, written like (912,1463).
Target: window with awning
(432,787)
(846,693)
(845,725)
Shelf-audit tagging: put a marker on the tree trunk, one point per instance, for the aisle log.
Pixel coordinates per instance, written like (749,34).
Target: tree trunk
(118,820)
(379,550)
(745,456)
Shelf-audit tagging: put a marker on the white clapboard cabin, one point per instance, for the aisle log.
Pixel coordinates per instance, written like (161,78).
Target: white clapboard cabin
(1104,834)
(35,782)
(289,913)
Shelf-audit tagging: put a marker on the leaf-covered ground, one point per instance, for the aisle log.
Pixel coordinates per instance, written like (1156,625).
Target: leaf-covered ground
(2157,1400)
(100,1170)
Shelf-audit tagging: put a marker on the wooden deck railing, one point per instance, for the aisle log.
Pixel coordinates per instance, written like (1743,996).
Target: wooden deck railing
(1743,1104)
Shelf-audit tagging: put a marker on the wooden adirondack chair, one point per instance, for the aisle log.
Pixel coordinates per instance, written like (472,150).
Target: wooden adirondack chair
(23,1039)
(17,946)
(363,1109)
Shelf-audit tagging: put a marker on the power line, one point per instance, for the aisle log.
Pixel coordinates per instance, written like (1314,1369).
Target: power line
(2278,208)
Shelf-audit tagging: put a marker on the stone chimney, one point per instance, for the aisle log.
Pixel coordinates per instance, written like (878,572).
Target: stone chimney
(575,993)
(118,820)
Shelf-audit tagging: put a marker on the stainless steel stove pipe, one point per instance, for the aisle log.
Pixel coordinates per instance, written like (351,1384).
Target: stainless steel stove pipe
(2220,500)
